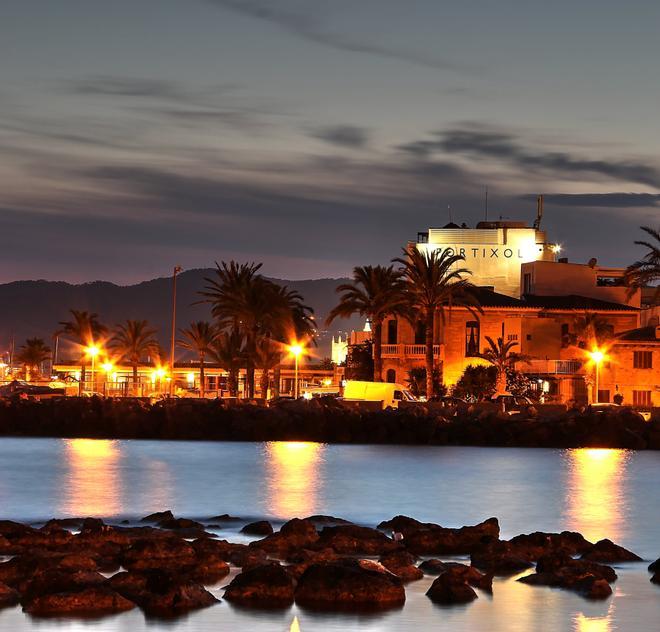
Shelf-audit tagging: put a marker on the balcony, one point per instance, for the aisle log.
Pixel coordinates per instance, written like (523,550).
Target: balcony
(409,351)
(550,367)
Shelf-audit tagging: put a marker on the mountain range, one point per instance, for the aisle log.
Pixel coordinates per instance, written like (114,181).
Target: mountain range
(34,308)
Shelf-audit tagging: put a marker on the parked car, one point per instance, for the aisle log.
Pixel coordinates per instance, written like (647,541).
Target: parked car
(388,393)
(513,404)
(17,388)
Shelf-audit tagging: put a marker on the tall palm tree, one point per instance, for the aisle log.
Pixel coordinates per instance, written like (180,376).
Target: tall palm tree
(375,292)
(32,355)
(85,329)
(434,284)
(132,341)
(499,354)
(591,330)
(269,356)
(199,337)
(646,271)
(228,351)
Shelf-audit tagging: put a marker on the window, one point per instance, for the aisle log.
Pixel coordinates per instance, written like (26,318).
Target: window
(641,398)
(398,395)
(643,359)
(529,336)
(512,337)
(390,376)
(392,332)
(527,283)
(603,396)
(471,338)
(420,333)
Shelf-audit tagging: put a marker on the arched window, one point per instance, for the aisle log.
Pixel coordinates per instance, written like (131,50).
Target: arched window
(471,338)
(392,332)
(391,376)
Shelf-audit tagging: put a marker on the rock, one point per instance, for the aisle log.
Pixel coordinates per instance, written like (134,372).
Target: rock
(592,587)
(451,588)
(562,563)
(262,586)
(261,527)
(402,564)
(499,557)
(654,567)
(347,584)
(159,516)
(8,596)
(433,567)
(161,593)
(436,540)
(97,600)
(223,518)
(180,524)
(656,578)
(534,545)
(355,540)
(405,525)
(609,553)
(237,554)
(293,535)
(158,553)
(319,519)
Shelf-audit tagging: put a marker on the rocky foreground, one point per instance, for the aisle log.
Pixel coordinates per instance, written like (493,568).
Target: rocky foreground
(327,420)
(84,567)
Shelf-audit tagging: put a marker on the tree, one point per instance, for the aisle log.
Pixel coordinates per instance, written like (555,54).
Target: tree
(360,362)
(646,271)
(417,382)
(32,355)
(477,383)
(132,341)
(433,286)
(199,337)
(228,351)
(375,292)
(591,330)
(499,354)
(84,329)
(269,355)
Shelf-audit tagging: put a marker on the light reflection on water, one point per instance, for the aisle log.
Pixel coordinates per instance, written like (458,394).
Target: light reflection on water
(601,493)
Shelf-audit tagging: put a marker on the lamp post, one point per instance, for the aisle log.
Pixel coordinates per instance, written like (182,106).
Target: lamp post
(296,351)
(597,356)
(92,351)
(177,269)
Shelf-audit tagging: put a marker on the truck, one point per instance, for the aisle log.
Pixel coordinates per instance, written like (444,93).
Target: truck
(389,394)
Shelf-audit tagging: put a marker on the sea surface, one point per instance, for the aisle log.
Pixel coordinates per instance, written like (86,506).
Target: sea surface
(601,493)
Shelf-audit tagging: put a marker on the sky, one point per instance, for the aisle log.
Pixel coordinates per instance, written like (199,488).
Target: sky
(316,136)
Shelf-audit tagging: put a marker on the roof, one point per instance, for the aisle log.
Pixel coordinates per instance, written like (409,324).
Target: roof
(575,302)
(642,334)
(489,298)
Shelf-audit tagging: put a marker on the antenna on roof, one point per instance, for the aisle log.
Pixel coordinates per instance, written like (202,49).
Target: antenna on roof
(539,212)
(449,210)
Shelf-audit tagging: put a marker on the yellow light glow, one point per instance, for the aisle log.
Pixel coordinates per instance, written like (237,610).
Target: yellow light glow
(92,351)
(327,382)
(296,350)
(108,367)
(190,378)
(596,497)
(594,624)
(295,626)
(292,472)
(160,373)
(556,248)
(597,356)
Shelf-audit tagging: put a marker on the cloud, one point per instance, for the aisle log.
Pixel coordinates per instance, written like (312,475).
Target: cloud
(610,200)
(349,136)
(480,142)
(128,87)
(308,28)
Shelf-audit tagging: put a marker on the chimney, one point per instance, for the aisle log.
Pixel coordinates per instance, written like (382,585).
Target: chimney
(562,260)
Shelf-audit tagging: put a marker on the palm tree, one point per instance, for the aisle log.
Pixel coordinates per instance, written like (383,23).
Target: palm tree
(84,329)
(646,271)
(228,351)
(132,341)
(433,285)
(269,356)
(591,330)
(375,292)
(199,337)
(32,355)
(499,354)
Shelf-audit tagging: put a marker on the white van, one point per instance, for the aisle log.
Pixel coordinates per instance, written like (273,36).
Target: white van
(388,393)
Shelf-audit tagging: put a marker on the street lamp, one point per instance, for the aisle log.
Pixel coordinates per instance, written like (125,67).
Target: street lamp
(92,351)
(176,271)
(296,351)
(597,356)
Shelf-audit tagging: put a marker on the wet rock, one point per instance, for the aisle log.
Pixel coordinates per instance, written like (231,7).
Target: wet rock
(433,567)
(436,540)
(355,540)
(159,516)
(405,525)
(656,578)
(534,545)
(237,554)
(180,524)
(402,564)
(261,527)
(8,596)
(349,584)
(607,552)
(654,567)
(293,535)
(224,518)
(54,580)
(499,557)
(94,601)
(451,587)
(262,586)
(561,562)
(319,519)
(161,593)
(301,560)
(158,553)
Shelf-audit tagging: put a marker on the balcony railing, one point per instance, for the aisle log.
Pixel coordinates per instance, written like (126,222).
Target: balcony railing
(550,367)
(408,351)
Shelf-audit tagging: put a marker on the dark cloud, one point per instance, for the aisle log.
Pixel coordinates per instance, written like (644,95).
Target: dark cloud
(595,200)
(128,87)
(481,142)
(307,27)
(349,136)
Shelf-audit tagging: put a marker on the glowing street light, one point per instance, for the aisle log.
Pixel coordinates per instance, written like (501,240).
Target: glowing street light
(597,357)
(92,351)
(296,350)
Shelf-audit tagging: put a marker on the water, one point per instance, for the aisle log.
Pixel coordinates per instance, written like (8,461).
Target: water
(601,493)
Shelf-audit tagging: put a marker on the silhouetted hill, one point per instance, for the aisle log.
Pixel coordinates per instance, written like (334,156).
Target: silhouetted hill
(34,308)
